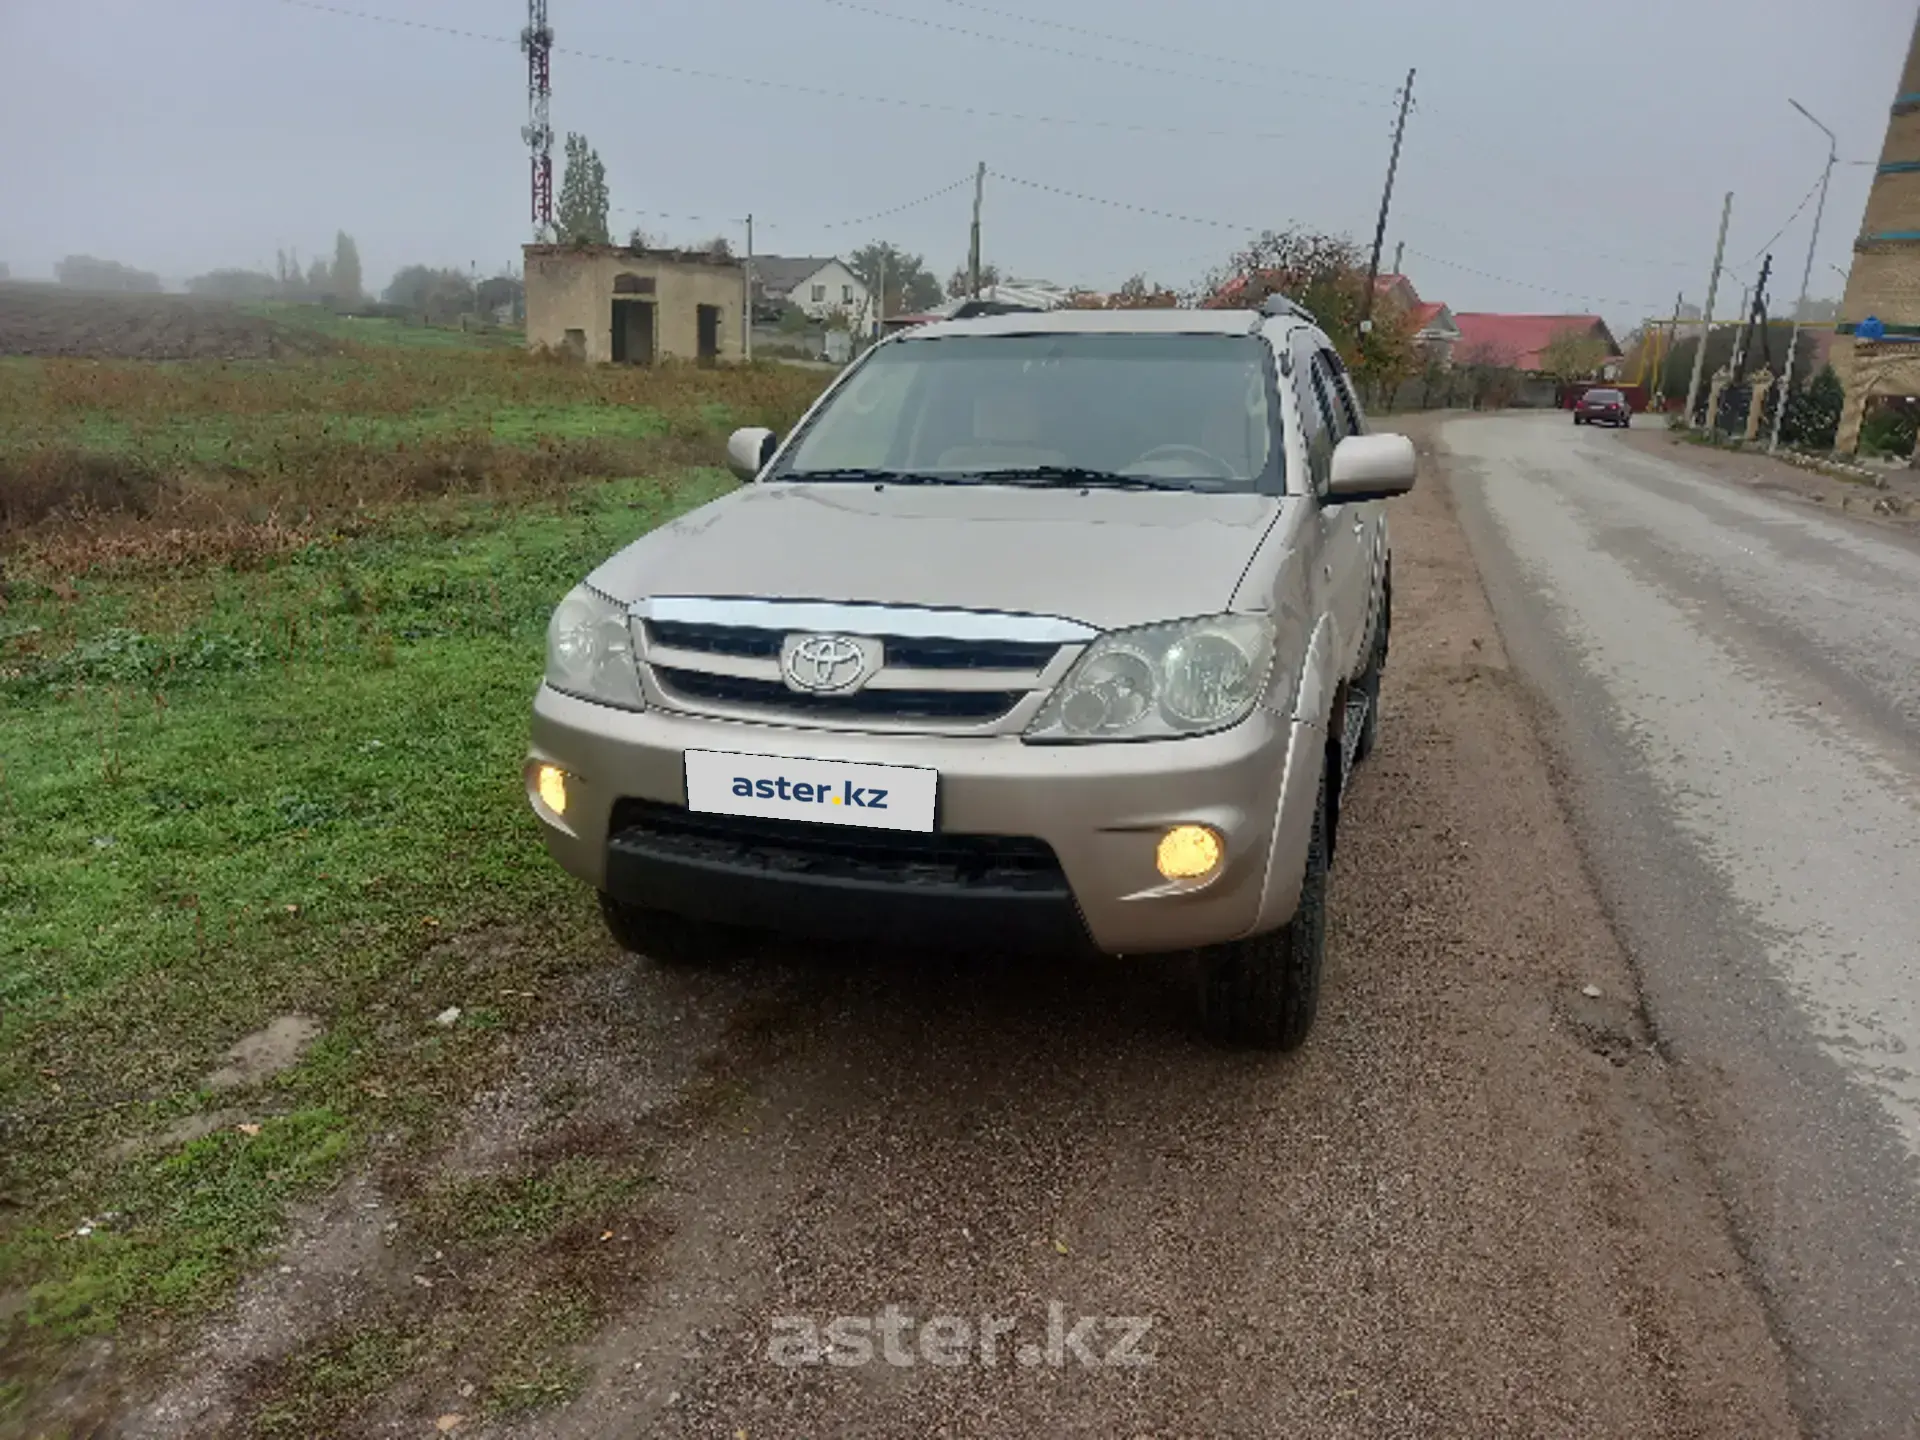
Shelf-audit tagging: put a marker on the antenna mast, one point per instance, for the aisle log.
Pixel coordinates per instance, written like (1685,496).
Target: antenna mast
(537,41)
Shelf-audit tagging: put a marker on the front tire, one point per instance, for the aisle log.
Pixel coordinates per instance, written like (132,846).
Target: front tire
(1263,992)
(669,940)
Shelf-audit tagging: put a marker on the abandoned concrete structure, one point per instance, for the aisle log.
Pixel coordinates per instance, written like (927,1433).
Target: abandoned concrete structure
(610,303)
(1883,287)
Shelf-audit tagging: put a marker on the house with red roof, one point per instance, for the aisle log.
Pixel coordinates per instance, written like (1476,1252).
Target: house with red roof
(1515,342)
(1435,332)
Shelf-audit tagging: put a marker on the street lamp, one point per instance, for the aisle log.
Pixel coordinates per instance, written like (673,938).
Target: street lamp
(1806,277)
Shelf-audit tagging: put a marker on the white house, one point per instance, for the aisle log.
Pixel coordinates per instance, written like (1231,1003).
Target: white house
(815,286)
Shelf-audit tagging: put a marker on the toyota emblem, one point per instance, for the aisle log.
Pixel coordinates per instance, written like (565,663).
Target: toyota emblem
(828,664)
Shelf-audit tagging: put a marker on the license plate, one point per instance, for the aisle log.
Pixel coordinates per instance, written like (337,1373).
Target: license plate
(827,792)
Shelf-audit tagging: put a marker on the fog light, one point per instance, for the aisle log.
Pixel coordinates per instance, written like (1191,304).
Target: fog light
(1189,852)
(550,783)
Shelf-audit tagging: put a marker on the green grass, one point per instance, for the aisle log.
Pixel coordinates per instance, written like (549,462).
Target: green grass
(409,334)
(227,795)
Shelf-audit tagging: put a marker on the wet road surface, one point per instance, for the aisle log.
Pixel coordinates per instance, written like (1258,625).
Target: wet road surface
(1735,682)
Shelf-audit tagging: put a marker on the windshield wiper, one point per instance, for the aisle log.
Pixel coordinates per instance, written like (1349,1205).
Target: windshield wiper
(1071,477)
(877,476)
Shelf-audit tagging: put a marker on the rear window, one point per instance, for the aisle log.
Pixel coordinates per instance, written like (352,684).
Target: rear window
(1604,397)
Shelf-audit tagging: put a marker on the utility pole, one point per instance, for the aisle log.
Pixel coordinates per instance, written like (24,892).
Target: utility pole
(1666,353)
(973,245)
(747,309)
(1793,344)
(1733,358)
(1399,249)
(1386,199)
(1751,304)
(880,301)
(1706,316)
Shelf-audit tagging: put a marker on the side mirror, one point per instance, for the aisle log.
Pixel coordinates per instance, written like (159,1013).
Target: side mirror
(749,450)
(1372,467)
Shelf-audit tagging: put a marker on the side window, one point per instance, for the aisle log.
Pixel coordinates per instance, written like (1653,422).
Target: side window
(1316,416)
(1346,401)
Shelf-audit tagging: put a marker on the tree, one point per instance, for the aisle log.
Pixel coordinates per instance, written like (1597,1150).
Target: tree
(1813,414)
(234,285)
(319,280)
(438,294)
(499,292)
(84,272)
(911,287)
(1135,293)
(346,268)
(960,284)
(1573,354)
(1488,373)
(1323,273)
(1816,311)
(581,215)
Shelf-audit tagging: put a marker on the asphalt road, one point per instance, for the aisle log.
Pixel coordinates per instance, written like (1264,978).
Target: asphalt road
(1735,681)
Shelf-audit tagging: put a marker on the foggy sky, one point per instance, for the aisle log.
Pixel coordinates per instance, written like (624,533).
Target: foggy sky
(1574,153)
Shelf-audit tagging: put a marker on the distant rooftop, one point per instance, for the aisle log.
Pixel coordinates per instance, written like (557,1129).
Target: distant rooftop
(629,252)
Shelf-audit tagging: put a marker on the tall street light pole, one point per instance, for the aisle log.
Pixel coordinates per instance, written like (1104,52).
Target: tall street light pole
(1806,277)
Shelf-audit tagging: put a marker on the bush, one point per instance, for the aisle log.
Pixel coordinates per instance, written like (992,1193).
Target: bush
(1813,414)
(1887,431)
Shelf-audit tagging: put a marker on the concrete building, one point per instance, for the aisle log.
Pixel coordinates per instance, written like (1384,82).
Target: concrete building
(1877,349)
(611,303)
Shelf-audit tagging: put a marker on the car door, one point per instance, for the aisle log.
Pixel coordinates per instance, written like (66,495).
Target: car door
(1343,531)
(1373,531)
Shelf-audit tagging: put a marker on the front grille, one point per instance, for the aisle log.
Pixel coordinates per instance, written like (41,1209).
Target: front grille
(973,706)
(802,848)
(747,642)
(739,640)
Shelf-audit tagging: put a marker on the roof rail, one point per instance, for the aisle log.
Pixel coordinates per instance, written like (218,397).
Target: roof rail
(1281,305)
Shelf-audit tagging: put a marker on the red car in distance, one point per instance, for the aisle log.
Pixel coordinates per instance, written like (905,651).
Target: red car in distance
(1602,407)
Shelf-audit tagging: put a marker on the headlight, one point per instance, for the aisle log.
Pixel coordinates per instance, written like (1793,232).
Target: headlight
(590,650)
(1161,680)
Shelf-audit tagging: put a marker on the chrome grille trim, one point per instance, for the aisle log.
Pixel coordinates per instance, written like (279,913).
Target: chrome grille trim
(863,618)
(942,671)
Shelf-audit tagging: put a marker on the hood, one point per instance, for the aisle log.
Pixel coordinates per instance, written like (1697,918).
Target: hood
(1107,558)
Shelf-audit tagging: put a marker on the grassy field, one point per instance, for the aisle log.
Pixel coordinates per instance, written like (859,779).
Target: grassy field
(268,634)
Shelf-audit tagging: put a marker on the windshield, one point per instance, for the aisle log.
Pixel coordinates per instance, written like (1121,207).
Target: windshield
(1184,412)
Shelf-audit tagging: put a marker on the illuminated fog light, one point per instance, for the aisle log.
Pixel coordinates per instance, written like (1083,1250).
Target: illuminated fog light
(550,783)
(1189,852)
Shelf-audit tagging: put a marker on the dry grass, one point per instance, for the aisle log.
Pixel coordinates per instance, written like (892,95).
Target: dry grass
(126,464)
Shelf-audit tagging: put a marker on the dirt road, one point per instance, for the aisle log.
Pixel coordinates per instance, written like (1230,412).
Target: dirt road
(1466,1208)
(1737,673)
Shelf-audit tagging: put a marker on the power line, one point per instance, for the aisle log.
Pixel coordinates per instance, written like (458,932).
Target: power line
(1428,222)
(1126,205)
(795,225)
(1790,219)
(1156,46)
(1080,55)
(897,209)
(1523,285)
(793,88)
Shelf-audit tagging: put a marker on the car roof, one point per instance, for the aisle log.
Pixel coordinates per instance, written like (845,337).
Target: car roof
(1095,322)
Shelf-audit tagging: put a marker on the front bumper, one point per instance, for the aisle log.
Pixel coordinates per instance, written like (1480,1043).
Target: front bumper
(1082,821)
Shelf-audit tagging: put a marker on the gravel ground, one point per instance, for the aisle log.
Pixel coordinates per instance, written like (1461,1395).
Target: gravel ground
(1893,501)
(1468,1207)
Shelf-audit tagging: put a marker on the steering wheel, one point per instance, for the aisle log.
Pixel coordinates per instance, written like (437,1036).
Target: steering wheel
(1219,468)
